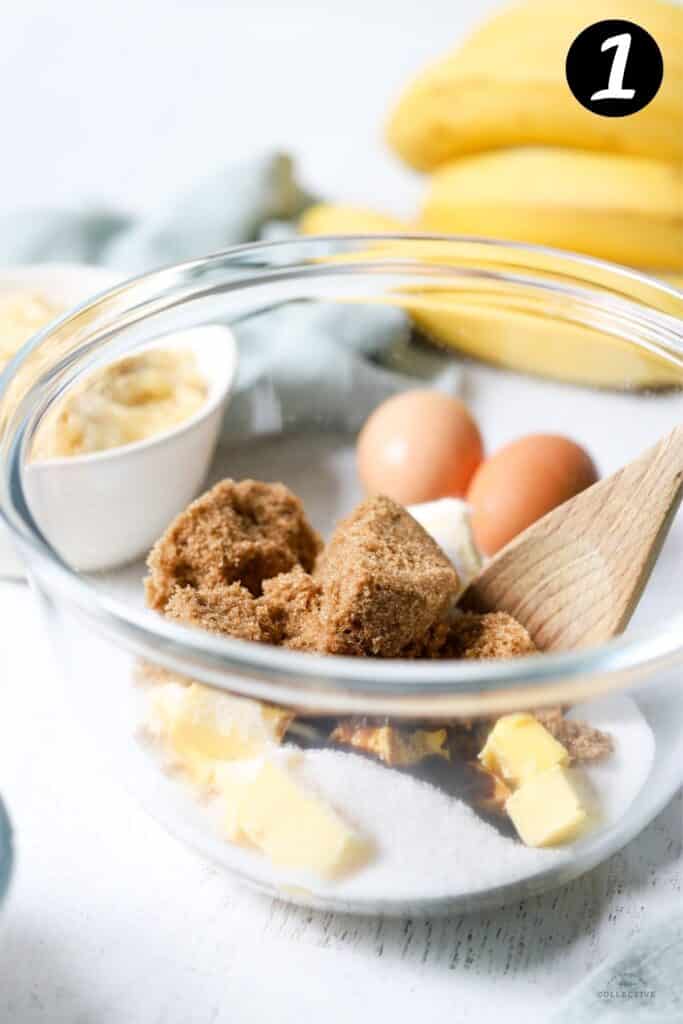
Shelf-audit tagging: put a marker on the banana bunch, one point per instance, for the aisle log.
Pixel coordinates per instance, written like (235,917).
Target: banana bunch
(628,209)
(516,156)
(513,155)
(505,86)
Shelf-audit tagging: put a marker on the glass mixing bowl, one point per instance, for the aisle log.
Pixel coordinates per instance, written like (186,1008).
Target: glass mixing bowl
(542,342)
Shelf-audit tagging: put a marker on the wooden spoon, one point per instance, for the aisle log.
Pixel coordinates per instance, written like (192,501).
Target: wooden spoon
(574,578)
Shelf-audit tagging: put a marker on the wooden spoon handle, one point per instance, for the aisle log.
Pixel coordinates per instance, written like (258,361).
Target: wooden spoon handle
(575,577)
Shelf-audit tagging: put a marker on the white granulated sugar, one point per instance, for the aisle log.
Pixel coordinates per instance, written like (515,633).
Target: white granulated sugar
(428,843)
(431,844)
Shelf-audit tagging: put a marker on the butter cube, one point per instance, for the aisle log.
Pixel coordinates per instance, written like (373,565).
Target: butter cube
(547,809)
(519,747)
(232,781)
(200,725)
(267,807)
(448,521)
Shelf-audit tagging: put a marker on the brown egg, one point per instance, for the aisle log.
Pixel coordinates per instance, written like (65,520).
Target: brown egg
(522,482)
(418,446)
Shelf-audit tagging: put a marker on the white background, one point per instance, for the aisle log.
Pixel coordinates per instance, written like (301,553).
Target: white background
(109,920)
(124,103)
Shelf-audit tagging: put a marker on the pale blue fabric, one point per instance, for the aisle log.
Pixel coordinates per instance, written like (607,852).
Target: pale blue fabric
(325,365)
(300,364)
(230,207)
(47,236)
(5,852)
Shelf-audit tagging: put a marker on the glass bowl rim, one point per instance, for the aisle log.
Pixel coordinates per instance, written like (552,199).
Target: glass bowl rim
(641,652)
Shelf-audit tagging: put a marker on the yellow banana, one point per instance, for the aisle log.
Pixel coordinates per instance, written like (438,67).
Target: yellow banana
(498,324)
(675,280)
(506,86)
(496,330)
(329,219)
(621,208)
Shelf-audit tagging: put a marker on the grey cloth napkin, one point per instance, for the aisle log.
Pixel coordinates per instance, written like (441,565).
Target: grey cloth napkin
(642,984)
(325,365)
(5,852)
(228,208)
(301,364)
(47,236)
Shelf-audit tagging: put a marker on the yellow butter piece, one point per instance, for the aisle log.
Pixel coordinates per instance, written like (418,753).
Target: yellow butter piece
(519,747)
(547,809)
(296,829)
(201,726)
(233,781)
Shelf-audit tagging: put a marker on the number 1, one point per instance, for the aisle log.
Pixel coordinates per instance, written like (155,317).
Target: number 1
(615,83)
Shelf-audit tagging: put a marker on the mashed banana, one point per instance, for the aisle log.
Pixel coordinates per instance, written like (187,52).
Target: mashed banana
(130,400)
(22,313)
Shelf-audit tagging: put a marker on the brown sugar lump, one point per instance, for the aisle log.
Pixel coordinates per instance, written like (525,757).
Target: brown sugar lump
(226,609)
(396,747)
(238,532)
(291,604)
(492,635)
(385,582)
(583,741)
(287,613)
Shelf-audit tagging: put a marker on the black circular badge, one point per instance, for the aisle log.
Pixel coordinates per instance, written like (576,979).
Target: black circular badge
(614,68)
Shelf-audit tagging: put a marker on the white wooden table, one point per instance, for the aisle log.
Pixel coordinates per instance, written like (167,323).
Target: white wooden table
(110,920)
